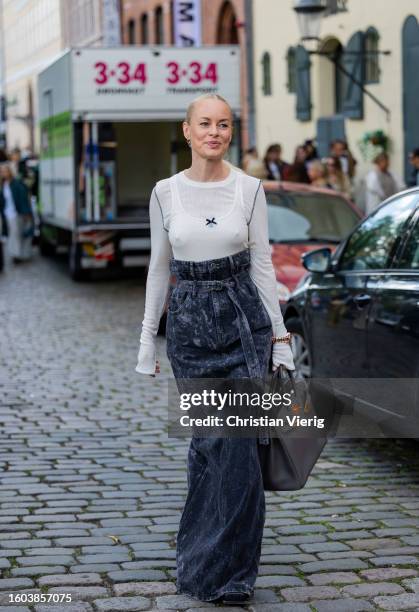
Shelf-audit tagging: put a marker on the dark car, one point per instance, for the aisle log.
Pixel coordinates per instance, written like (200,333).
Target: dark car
(356,314)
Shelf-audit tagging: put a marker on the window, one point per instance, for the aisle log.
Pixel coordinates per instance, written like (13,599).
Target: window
(131,32)
(158,22)
(372,66)
(309,217)
(335,6)
(373,244)
(291,70)
(266,74)
(410,256)
(144,29)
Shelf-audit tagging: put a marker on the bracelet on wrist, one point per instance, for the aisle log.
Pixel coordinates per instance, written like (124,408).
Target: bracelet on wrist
(283,339)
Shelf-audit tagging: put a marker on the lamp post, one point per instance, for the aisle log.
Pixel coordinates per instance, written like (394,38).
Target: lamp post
(310,14)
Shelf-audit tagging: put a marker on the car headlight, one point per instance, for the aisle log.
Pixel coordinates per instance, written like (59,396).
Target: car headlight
(283,292)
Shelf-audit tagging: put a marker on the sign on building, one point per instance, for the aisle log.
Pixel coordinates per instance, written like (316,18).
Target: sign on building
(187,23)
(147,80)
(111,23)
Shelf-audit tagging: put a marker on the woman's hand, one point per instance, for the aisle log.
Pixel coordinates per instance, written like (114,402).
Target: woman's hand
(282,355)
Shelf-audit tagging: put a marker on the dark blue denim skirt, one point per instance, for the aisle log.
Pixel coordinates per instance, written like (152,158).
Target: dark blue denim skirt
(218,327)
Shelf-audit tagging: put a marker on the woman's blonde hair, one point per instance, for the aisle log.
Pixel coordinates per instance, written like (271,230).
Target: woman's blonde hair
(207,96)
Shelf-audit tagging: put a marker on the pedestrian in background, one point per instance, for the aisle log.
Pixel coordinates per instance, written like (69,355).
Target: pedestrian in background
(275,166)
(297,171)
(380,183)
(17,216)
(339,148)
(209,227)
(249,154)
(311,150)
(414,160)
(253,165)
(317,173)
(336,178)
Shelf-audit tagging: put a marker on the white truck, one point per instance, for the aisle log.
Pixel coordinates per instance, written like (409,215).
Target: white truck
(111,126)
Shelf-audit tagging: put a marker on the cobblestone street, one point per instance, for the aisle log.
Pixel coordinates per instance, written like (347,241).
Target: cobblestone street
(92,488)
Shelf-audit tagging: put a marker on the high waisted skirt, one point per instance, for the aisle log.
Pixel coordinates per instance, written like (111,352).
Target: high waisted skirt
(218,327)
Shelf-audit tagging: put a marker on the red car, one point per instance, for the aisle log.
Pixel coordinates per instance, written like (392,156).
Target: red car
(300,218)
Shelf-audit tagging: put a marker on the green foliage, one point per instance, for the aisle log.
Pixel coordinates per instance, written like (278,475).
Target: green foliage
(373,143)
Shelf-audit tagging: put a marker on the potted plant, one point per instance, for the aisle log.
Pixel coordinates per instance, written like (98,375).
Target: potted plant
(372,143)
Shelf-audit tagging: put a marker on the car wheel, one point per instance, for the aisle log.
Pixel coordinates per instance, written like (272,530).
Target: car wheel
(299,347)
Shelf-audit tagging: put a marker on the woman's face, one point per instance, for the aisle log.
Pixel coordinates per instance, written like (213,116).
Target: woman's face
(331,166)
(300,154)
(210,130)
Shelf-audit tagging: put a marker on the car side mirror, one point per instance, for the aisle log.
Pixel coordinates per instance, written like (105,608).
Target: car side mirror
(317,260)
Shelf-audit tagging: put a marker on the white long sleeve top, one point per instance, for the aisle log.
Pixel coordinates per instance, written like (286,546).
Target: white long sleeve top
(179,212)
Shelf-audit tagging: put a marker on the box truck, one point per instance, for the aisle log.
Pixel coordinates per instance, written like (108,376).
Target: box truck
(110,127)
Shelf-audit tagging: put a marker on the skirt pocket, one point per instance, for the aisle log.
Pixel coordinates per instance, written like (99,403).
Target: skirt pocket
(178,301)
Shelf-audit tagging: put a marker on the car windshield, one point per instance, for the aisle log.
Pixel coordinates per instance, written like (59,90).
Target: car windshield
(309,217)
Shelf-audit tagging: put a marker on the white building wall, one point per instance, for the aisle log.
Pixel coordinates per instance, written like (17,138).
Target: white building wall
(276,29)
(82,22)
(32,39)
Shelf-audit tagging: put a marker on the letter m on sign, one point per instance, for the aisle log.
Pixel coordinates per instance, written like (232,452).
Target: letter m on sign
(187,23)
(185,11)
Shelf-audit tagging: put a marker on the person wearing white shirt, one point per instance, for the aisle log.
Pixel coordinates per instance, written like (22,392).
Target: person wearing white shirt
(209,226)
(380,183)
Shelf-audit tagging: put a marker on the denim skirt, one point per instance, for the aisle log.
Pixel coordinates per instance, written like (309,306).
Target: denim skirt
(218,327)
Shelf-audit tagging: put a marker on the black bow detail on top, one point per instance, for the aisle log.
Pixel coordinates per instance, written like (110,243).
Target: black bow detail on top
(211,221)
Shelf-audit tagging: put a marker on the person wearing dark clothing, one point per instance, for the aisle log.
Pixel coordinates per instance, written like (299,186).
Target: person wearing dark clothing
(297,172)
(339,148)
(310,150)
(275,166)
(16,215)
(413,180)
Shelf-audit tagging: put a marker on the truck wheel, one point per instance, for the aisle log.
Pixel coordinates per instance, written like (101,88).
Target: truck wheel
(77,273)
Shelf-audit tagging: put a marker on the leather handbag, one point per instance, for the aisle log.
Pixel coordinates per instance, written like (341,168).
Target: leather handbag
(286,462)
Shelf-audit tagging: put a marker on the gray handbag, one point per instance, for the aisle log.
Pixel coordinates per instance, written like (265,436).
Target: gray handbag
(286,462)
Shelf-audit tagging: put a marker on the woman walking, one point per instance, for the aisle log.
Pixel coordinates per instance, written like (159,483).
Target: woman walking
(209,228)
(16,212)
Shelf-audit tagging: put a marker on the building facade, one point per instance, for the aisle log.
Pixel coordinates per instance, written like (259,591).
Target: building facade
(150,22)
(32,37)
(35,33)
(81,22)
(357,79)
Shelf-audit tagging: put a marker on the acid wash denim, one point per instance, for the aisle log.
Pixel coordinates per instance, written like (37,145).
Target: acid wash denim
(218,327)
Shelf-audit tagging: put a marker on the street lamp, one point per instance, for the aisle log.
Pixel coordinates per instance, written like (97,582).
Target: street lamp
(310,14)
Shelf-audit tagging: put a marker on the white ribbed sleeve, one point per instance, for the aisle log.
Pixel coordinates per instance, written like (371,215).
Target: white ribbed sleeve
(252,223)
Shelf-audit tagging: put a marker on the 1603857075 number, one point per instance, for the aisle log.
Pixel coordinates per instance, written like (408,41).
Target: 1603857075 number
(39,597)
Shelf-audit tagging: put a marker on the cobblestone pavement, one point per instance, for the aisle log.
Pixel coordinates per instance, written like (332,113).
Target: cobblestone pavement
(92,488)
